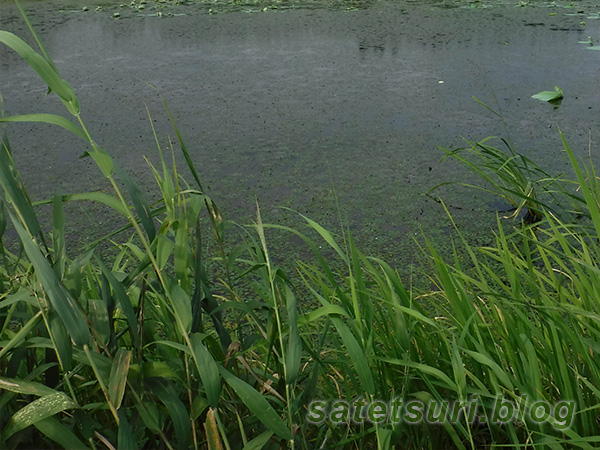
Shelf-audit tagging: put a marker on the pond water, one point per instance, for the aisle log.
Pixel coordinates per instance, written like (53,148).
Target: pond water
(334,112)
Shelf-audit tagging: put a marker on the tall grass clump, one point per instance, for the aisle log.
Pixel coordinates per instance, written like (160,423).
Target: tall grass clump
(164,336)
(136,351)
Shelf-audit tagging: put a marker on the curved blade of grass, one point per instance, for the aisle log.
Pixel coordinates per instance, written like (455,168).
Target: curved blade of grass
(182,307)
(100,197)
(320,312)
(14,189)
(259,441)
(18,338)
(486,106)
(44,69)
(183,147)
(208,370)
(357,355)
(257,404)
(61,300)
(22,295)
(293,355)
(590,199)
(37,410)
(125,436)
(25,387)
(493,365)
(328,237)
(51,119)
(61,340)
(427,370)
(118,377)
(123,299)
(139,202)
(179,416)
(103,160)
(59,433)
(58,237)
(35,35)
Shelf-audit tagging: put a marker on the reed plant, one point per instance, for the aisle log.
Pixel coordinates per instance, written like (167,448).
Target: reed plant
(180,341)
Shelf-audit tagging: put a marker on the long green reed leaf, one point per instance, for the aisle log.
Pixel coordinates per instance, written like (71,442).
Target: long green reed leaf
(25,387)
(61,300)
(22,334)
(14,190)
(179,416)
(121,296)
(208,370)
(125,436)
(357,355)
(293,354)
(51,119)
(59,433)
(257,404)
(44,69)
(37,410)
(142,208)
(117,381)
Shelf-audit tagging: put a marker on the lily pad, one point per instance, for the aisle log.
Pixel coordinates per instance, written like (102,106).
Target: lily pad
(549,96)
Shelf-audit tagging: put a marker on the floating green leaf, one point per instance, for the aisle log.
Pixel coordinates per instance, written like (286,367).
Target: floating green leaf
(549,96)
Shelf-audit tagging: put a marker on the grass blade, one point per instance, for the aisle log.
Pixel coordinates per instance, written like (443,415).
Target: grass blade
(139,202)
(259,441)
(51,119)
(258,405)
(58,237)
(25,387)
(14,190)
(208,370)
(59,433)
(118,377)
(44,69)
(357,356)
(125,436)
(37,410)
(61,300)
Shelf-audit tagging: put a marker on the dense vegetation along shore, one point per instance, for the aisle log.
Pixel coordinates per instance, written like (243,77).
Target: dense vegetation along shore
(134,342)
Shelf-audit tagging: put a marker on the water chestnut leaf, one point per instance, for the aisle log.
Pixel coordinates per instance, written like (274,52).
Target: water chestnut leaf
(549,96)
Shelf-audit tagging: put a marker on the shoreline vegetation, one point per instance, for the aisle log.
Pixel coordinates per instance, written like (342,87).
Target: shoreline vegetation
(152,350)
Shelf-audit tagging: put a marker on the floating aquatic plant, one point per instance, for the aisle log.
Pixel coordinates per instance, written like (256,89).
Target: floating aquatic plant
(549,96)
